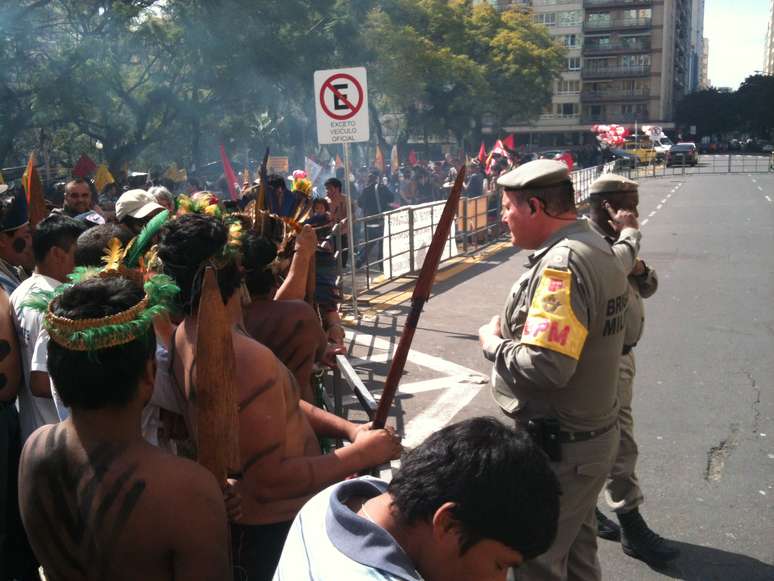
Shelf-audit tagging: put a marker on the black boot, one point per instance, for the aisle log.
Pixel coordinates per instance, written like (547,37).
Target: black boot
(606,528)
(638,541)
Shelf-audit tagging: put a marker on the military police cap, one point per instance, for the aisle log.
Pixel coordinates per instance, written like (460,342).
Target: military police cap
(540,173)
(611,183)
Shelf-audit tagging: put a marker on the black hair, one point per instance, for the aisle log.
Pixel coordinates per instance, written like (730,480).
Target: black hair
(258,253)
(107,377)
(322,201)
(333,182)
(276,181)
(6,202)
(186,247)
(90,246)
(557,200)
(500,481)
(55,230)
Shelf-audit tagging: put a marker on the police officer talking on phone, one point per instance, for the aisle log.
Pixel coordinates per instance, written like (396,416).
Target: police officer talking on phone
(556,349)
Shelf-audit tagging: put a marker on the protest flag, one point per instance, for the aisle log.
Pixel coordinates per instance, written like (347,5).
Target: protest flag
(379,159)
(228,171)
(482,153)
(394,159)
(412,157)
(84,167)
(34,189)
(103,177)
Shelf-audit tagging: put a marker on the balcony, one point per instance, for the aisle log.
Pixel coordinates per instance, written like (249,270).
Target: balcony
(556,119)
(615,118)
(615,95)
(616,3)
(591,48)
(616,72)
(616,24)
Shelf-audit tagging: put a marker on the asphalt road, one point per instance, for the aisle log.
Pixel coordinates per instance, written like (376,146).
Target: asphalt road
(704,403)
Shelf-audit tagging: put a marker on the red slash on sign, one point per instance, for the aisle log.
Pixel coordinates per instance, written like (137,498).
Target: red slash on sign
(343,107)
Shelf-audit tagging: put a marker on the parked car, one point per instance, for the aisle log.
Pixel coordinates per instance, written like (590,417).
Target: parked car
(626,159)
(682,154)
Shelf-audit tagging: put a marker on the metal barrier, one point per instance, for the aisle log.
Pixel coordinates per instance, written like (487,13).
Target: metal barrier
(393,244)
(679,165)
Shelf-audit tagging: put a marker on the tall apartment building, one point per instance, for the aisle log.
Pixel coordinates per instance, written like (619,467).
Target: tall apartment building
(768,57)
(697,46)
(704,81)
(628,62)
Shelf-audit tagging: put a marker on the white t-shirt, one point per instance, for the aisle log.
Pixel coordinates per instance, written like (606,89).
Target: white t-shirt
(34,412)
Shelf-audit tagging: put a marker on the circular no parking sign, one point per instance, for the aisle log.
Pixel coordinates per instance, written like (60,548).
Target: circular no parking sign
(337,89)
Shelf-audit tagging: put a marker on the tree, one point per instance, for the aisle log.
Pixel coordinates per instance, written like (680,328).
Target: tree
(713,112)
(446,64)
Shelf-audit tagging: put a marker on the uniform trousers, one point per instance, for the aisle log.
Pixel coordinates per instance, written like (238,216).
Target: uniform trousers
(622,491)
(582,473)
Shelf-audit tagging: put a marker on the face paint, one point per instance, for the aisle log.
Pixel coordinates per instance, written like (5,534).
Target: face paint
(19,244)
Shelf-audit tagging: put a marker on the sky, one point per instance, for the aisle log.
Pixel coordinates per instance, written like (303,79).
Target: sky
(737,32)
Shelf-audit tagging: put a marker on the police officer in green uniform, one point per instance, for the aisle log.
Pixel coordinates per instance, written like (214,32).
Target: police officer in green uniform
(612,192)
(556,349)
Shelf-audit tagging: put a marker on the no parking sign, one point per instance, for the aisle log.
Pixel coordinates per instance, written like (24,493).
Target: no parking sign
(341,102)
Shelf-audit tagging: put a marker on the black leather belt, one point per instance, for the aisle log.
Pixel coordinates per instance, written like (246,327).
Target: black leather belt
(627,349)
(571,437)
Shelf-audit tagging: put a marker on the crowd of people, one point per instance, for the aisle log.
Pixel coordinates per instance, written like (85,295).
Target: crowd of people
(102,396)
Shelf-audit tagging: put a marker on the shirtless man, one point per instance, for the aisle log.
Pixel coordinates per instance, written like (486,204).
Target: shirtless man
(290,328)
(97,501)
(282,466)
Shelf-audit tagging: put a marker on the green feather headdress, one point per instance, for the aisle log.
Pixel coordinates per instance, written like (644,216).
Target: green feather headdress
(109,331)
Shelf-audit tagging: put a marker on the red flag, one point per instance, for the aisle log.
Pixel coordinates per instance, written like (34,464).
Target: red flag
(228,171)
(412,157)
(84,168)
(510,142)
(482,153)
(34,189)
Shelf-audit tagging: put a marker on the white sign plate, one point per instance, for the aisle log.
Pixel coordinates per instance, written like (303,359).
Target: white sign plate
(341,102)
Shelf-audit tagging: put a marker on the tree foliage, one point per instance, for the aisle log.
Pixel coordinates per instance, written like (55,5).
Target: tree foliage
(746,111)
(157,82)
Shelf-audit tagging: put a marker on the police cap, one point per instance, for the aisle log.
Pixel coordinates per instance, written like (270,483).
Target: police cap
(540,173)
(611,183)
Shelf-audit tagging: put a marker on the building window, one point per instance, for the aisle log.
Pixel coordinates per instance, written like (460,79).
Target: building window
(569,18)
(599,19)
(546,18)
(567,109)
(573,63)
(567,87)
(571,40)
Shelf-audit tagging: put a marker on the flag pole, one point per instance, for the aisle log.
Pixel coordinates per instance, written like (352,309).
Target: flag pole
(419,297)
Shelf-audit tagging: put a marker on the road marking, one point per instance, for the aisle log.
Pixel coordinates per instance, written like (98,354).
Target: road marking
(768,198)
(645,221)
(652,214)
(438,414)
(669,196)
(760,188)
(461,385)
(664,200)
(659,206)
(753,179)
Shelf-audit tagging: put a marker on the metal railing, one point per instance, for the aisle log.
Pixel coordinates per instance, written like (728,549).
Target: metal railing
(391,245)
(615,94)
(680,165)
(609,72)
(615,23)
(614,3)
(592,48)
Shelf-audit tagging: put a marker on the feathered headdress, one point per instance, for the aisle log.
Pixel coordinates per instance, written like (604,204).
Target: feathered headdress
(103,332)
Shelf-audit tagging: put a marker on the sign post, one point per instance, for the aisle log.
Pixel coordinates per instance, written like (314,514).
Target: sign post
(341,103)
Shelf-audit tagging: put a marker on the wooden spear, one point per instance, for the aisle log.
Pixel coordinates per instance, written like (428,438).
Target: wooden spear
(420,296)
(215,398)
